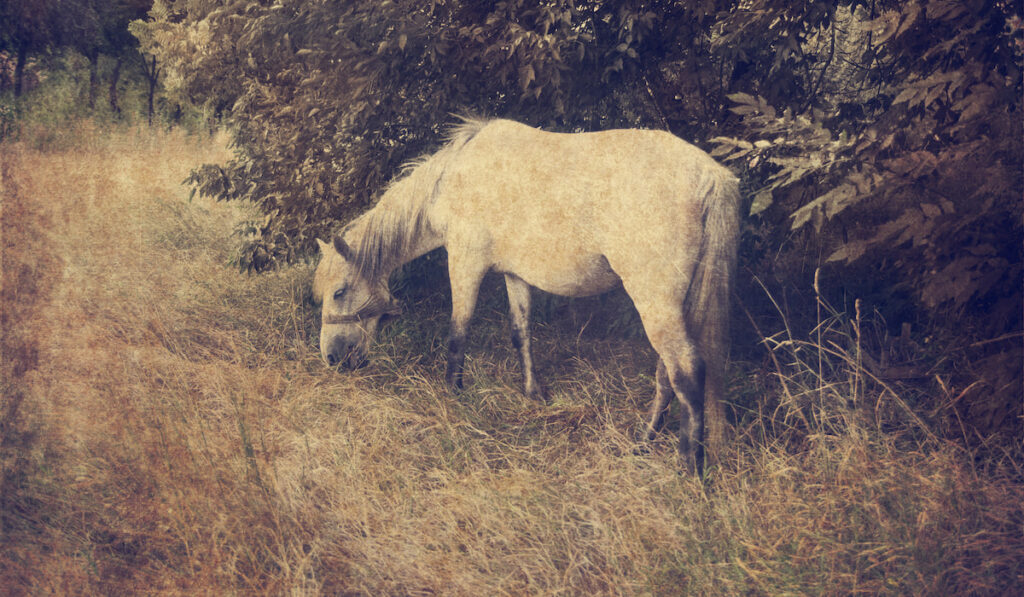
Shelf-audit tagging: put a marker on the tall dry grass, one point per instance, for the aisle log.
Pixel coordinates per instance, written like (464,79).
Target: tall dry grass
(169,428)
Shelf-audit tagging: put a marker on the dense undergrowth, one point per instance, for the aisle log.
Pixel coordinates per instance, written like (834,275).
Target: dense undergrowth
(168,427)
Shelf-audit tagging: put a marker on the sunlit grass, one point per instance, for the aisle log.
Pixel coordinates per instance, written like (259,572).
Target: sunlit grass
(182,436)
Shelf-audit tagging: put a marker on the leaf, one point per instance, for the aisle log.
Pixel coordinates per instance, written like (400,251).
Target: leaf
(913,164)
(762,201)
(912,12)
(975,102)
(849,252)
(743,110)
(956,282)
(838,199)
(802,216)
(944,9)
(720,150)
(862,182)
(932,94)
(882,27)
(526,76)
(826,206)
(906,95)
(742,98)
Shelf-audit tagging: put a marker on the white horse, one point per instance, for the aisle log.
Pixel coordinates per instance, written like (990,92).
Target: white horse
(570,214)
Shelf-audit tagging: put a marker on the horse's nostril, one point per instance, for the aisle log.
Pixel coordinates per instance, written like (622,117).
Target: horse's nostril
(332,359)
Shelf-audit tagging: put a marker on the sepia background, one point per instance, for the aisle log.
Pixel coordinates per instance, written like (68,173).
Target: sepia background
(168,427)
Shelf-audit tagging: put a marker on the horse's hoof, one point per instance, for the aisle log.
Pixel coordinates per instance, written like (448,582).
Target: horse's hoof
(454,384)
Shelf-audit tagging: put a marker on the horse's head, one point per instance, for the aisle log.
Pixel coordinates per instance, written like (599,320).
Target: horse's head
(352,306)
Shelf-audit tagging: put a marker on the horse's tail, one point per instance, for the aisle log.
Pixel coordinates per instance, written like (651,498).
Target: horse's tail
(707,307)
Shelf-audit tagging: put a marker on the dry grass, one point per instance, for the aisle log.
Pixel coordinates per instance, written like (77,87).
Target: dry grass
(170,429)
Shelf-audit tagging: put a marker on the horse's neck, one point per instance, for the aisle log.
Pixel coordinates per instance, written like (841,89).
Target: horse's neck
(413,241)
(422,243)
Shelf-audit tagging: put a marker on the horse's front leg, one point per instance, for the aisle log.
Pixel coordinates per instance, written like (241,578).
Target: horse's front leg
(663,394)
(519,309)
(465,286)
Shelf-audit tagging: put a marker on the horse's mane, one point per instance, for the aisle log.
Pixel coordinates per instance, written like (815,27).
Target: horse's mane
(391,228)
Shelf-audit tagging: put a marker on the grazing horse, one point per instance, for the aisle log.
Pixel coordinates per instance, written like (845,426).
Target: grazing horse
(570,214)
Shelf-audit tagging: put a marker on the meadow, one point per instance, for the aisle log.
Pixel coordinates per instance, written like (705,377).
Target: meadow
(169,428)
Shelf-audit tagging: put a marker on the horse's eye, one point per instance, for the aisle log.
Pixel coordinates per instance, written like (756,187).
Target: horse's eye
(340,293)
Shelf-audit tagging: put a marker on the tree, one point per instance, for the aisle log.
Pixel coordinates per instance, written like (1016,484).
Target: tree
(26,27)
(152,74)
(100,27)
(328,100)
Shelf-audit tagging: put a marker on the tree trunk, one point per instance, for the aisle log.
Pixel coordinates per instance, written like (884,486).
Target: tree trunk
(114,78)
(152,76)
(94,78)
(19,69)
(152,88)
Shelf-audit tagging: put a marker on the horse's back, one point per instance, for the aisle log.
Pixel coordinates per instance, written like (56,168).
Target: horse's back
(511,167)
(560,206)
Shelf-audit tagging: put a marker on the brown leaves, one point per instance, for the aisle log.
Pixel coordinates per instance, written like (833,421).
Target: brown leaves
(891,24)
(923,92)
(976,102)
(929,179)
(749,104)
(831,203)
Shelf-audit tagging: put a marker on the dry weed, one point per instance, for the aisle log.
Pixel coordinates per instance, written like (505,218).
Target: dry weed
(183,436)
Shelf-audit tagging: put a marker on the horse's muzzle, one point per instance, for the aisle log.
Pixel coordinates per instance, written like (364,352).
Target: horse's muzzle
(352,358)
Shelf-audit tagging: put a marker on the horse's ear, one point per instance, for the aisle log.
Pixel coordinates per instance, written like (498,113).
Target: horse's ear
(342,247)
(323,246)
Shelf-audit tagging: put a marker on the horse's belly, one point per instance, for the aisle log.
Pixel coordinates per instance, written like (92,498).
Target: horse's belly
(568,277)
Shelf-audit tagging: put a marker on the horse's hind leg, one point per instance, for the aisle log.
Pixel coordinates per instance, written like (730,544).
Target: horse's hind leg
(688,383)
(684,371)
(519,309)
(659,407)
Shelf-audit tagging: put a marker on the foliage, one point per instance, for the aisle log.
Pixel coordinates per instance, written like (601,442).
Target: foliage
(27,26)
(909,166)
(100,26)
(54,113)
(914,159)
(328,100)
(27,23)
(898,124)
(91,27)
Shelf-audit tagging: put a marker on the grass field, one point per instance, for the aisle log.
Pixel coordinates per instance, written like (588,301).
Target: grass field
(169,428)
